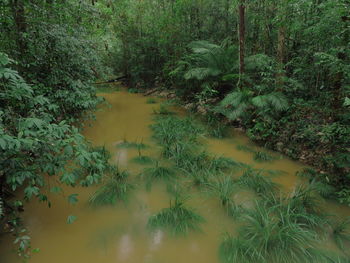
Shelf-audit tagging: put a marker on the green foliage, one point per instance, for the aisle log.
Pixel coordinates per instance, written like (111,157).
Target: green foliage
(163,110)
(207,67)
(71,219)
(142,159)
(340,232)
(245,148)
(116,188)
(256,181)
(178,219)
(34,143)
(72,199)
(224,164)
(269,234)
(223,187)
(263,157)
(243,103)
(158,173)
(151,101)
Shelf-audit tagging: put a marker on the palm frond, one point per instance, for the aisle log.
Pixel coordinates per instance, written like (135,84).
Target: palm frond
(201,73)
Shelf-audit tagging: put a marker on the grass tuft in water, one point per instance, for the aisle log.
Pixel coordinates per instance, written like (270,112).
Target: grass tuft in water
(224,164)
(151,101)
(115,189)
(234,210)
(143,159)
(177,219)
(269,236)
(223,187)
(200,178)
(254,180)
(341,232)
(158,173)
(263,157)
(245,148)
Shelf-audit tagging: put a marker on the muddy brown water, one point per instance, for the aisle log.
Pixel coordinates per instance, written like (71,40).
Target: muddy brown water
(118,234)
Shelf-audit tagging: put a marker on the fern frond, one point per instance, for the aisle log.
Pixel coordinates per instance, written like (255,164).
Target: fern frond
(201,73)
(202,46)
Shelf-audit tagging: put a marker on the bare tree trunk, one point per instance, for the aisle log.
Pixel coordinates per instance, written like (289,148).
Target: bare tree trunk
(241,11)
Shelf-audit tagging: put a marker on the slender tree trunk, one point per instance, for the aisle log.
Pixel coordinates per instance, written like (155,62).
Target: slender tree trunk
(18,13)
(241,11)
(339,76)
(281,52)
(227,22)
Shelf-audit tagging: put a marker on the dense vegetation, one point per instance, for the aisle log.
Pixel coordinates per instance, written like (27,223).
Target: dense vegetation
(48,58)
(279,69)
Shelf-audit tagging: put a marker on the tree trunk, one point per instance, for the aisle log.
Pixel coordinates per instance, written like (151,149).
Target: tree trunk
(339,76)
(281,51)
(241,30)
(227,22)
(21,27)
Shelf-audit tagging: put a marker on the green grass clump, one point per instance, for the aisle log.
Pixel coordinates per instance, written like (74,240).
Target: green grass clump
(254,180)
(151,101)
(163,110)
(158,173)
(341,232)
(177,219)
(222,187)
(245,148)
(224,164)
(199,178)
(134,90)
(172,129)
(263,157)
(107,88)
(116,188)
(270,236)
(142,159)
(308,173)
(318,182)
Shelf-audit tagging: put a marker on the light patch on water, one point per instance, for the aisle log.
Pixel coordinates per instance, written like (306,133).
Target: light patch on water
(157,238)
(125,248)
(121,158)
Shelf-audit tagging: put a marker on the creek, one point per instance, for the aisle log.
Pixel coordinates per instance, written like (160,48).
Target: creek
(118,234)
